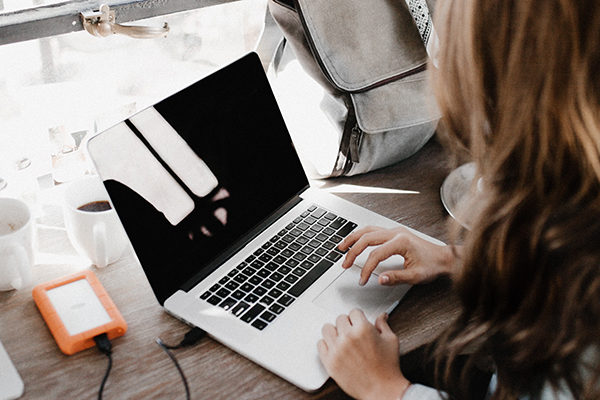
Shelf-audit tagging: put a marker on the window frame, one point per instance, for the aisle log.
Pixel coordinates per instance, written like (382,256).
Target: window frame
(58,19)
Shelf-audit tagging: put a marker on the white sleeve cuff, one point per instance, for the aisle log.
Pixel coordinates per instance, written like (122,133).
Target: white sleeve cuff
(420,392)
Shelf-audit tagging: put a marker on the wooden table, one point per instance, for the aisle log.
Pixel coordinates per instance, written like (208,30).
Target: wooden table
(142,370)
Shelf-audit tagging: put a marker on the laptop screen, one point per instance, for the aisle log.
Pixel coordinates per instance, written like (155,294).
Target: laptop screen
(195,173)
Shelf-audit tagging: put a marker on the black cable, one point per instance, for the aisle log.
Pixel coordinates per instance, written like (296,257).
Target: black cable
(105,347)
(190,338)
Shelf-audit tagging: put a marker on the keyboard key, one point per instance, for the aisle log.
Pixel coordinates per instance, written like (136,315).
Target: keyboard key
(284,270)
(329,245)
(263,273)
(273,251)
(310,220)
(275,293)
(294,246)
(334,256)
(214,287)
(253,313)
(349,227)
(310,278)
(240,308)
(288,238)
(299,271)
(214,300)
(259,324)
(228,303)
(328,231)
(307,265)
(205,295)
(276,276)
(318,213)
(336,239)
(271,266)
(259,290)
(240,278)
(322,252)
(295,232)
(249,271)
(283,286)
(316,228)
(267,300)
(338,223)
(300,256)
(330,216)
(287,253)
(310,234)
(302,240)
(223,292)
(223,280)
(321,237)
(280,259)
(246,287)
(255,280)
(307,250)
(291,278)
(292,263)
(285,300)
(238,294)
(231,285)
(276,308)
(314,243)
(267,283)
(302,226)
(268,316)
(314,258)
(265,258)
(323,222)
(251,298)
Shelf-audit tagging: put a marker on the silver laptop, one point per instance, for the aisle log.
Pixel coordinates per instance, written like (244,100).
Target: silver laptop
(230,234)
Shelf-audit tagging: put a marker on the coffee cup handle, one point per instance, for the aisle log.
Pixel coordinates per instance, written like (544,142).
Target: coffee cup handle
(22,277)
(100,242)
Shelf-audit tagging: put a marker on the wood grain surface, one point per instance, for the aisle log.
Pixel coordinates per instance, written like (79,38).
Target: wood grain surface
(141,370)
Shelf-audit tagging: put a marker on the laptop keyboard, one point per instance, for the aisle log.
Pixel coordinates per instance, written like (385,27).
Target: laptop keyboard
(261,287)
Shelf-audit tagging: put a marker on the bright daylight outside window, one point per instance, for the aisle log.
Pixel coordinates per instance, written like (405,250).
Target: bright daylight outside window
(57,91)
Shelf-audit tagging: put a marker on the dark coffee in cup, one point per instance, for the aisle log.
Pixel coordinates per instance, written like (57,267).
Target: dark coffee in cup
(95,206)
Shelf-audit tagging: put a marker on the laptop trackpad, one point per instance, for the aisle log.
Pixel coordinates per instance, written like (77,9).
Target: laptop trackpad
(345,294)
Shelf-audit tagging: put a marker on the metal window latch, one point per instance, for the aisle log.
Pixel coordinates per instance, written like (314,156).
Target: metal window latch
(102,24)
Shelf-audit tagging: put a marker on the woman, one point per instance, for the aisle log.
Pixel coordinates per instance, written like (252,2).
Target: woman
(519,86)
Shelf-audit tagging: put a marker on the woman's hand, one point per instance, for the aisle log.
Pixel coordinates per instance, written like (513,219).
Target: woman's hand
(363,358)
(423,261)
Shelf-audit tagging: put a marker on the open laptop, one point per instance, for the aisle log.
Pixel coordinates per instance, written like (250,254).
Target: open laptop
(230,234)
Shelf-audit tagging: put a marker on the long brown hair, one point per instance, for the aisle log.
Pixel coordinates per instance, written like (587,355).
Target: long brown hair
(519,87)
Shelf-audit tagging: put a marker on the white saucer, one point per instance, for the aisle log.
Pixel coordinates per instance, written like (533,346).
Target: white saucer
(455,189)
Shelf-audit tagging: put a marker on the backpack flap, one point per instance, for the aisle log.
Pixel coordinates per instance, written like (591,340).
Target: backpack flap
(362,44)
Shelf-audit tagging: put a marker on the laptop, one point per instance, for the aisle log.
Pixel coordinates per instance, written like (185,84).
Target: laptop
(229,232)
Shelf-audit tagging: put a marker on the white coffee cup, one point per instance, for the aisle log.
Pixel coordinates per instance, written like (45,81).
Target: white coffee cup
(16,244)
(97,235)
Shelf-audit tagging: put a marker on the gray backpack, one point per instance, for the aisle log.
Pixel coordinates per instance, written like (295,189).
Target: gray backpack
(370,58)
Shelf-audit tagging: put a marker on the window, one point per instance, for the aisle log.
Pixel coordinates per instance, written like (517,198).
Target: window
(69,83)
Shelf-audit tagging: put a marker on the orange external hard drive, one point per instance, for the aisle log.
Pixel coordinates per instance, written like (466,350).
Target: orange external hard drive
(76,308)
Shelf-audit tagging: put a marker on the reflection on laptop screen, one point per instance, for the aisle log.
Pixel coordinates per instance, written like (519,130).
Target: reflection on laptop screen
(196,172)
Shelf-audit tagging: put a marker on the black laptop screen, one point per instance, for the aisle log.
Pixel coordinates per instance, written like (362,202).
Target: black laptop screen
(248,169)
